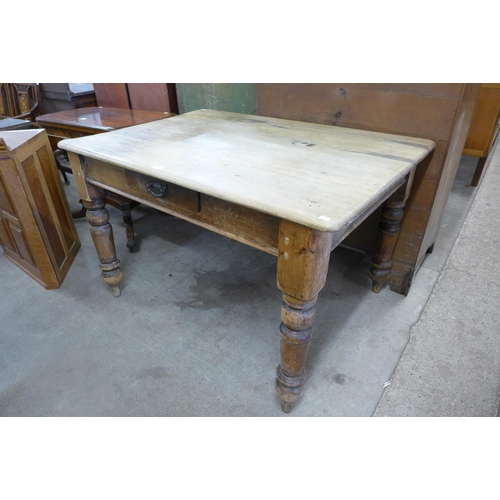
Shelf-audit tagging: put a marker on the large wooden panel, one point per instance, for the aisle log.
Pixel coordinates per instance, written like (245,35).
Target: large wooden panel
(112,95)
(440,112)
(149,96)
(140,96)
(423,110)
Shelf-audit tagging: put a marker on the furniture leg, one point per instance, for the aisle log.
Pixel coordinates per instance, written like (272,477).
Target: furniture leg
(102,235)
(125,206)
(296,333)
(129,228)
(479,171)
(79,214)
(387,236)
(303,256)
(60,166)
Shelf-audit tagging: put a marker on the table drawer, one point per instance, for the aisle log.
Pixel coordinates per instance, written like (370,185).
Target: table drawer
(143,188)
(165,194)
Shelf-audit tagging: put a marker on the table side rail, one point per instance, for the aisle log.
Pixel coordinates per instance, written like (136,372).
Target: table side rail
(243,224)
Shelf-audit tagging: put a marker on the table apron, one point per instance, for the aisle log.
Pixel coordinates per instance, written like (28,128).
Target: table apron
(243,224)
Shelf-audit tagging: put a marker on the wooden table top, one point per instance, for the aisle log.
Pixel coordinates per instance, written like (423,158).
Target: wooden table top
(321,176)
(100,118)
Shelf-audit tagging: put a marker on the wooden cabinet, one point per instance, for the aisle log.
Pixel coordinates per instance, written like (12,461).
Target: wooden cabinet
(37,231)
(440,112)
(484,127)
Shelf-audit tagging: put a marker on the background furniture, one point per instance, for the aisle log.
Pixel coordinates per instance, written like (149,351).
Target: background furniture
(440,112)
(63,96)
(37,231)
(15,124)
(484,127)
(20,100)
(144,96)
(96,120)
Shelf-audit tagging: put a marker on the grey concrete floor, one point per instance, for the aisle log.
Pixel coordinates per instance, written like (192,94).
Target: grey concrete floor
(195,331)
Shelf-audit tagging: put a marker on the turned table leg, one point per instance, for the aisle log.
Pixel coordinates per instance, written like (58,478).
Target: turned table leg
(93,199)
(102,234)
(303,256)
(387,236)
(296,333)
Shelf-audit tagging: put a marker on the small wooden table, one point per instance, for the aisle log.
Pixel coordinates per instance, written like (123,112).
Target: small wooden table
(82,122)
(292,189)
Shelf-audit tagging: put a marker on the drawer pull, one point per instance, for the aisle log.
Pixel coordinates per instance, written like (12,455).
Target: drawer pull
(157,188)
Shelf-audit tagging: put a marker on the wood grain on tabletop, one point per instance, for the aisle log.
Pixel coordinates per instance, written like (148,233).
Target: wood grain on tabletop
(317,175)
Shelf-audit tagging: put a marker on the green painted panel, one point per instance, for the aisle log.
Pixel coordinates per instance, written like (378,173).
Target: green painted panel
(237,97)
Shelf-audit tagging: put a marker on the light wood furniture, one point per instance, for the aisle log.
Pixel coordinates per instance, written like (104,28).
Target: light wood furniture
(484,127)
(292,189)
(37,231)
(96,120)
(439,112)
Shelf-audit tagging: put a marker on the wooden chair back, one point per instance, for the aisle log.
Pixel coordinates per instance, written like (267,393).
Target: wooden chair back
(20,100)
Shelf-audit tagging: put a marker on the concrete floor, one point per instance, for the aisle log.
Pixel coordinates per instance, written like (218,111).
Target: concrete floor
(195,332)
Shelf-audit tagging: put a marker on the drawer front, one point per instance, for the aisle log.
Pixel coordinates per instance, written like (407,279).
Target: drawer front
(143,187)
(163,193)
(234,221)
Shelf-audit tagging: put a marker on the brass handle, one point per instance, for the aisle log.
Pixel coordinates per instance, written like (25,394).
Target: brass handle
(157,188)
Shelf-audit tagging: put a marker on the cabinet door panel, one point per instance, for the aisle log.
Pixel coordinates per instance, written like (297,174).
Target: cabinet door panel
(37,185)
(23,248)
(5,236)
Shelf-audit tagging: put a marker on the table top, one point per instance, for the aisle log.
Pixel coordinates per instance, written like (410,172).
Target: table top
(100,118)
(321,176)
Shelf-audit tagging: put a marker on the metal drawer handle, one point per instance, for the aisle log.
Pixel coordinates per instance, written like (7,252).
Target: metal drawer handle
(157,188)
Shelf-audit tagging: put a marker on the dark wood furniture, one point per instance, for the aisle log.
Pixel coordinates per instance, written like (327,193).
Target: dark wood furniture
(63,96)
(292,189)
(37,231)
(440,112)
(145,96)
(96,120)
(484,127)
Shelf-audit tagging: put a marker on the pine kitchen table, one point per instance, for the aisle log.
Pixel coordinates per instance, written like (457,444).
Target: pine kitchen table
(289,188)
